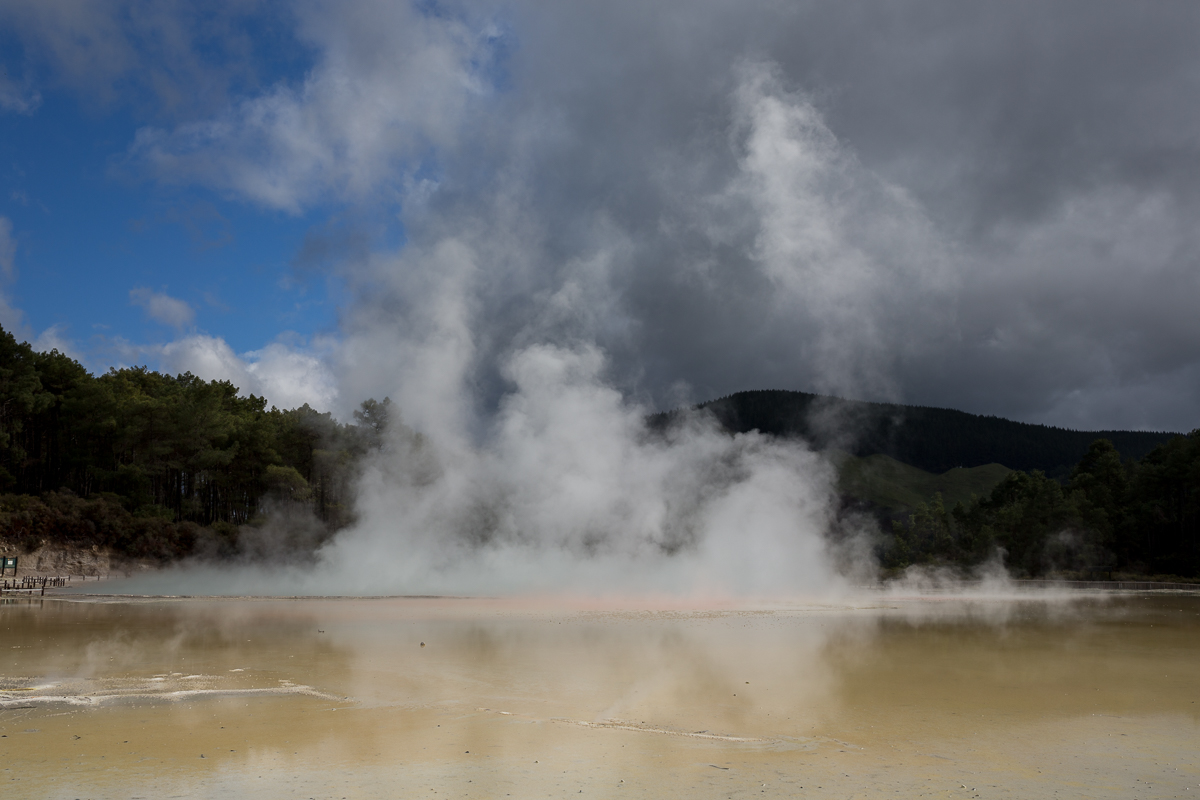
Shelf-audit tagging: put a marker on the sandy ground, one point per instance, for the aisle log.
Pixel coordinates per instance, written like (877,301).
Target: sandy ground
(338,699)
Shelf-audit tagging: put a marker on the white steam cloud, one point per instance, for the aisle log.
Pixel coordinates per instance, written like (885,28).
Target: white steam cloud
(556,483)
(851,254)
(570,490)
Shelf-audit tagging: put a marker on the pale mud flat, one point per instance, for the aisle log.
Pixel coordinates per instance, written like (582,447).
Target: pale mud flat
(336,698)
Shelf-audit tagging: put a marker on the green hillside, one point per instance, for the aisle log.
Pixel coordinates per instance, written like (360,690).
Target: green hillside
(897,488)
(933,439)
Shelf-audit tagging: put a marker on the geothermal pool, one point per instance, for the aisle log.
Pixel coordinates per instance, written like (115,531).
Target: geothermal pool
(337,698)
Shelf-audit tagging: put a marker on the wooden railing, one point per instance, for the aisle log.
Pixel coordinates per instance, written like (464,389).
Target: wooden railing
(34,583)
(1141,586)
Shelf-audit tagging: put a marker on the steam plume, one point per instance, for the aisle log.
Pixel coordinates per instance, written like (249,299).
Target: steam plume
(534,470)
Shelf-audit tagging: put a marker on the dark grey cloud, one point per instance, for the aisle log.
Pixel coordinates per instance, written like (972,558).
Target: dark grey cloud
(1050,148)
(983,205)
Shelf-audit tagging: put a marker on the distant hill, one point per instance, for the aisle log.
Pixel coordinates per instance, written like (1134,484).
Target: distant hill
(896,489)
(932,439)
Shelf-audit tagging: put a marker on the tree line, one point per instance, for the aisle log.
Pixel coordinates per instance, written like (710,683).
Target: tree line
(155,465)
(1138,517)
(159,466)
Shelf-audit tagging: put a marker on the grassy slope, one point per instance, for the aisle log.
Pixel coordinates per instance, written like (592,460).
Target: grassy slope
(897,487)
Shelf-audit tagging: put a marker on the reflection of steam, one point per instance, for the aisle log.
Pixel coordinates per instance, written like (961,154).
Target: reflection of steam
(630,726)
(776,694)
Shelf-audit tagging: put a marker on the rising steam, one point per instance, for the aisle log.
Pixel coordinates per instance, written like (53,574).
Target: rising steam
(497,336)
(572,491)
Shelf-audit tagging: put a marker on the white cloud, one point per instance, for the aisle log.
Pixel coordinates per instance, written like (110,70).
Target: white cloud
(8,249)
(390,83)
(11,317)
(288,376)
(53,339)
(17,97)
(163,308)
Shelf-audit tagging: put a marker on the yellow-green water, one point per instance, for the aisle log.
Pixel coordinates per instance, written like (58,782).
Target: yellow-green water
(336,698)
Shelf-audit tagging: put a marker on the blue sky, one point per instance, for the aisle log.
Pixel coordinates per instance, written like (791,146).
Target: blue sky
(90,229)
(953,204)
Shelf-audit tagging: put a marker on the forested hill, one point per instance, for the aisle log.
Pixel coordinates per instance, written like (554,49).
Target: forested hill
(933,439)
(146,462)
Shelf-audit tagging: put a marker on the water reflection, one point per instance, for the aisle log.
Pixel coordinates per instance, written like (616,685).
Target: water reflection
(655,699)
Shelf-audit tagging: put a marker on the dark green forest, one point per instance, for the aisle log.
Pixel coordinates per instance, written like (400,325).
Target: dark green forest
(1081,503)
(1110,516)
(932,439)
(162,467)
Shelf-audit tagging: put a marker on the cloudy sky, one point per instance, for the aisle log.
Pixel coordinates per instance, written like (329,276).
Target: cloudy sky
(986,206)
